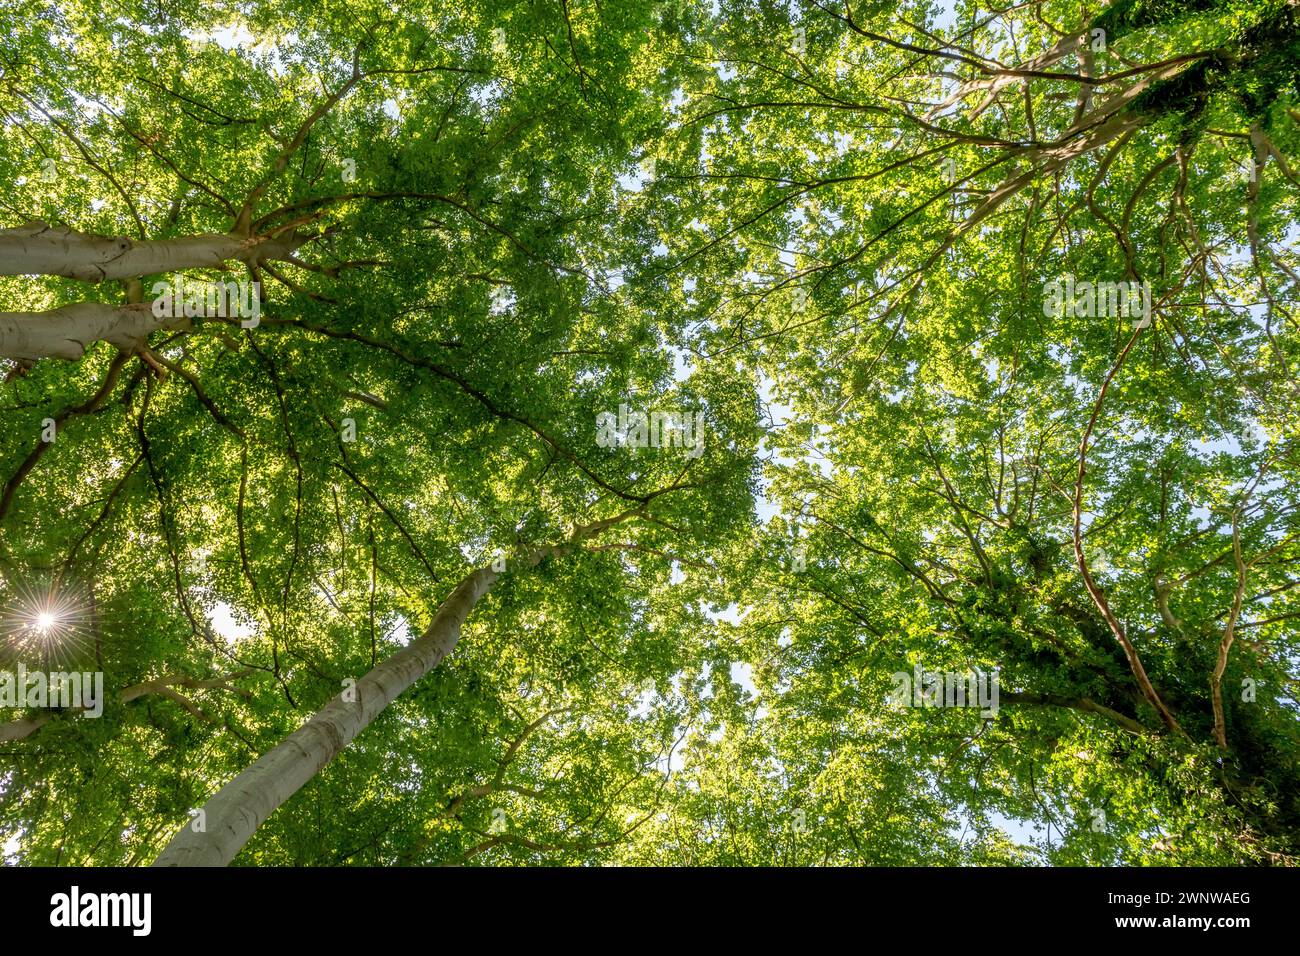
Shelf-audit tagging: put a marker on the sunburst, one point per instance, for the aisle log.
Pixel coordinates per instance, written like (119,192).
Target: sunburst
(46,625)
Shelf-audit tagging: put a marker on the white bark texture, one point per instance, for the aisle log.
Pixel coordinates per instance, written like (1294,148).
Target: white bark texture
(67,332)
(40,249)
(240,807)
(23,727)
(235,812)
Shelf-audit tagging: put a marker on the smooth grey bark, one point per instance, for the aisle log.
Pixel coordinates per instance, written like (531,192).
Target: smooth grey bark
(41,249)
(233,815)
(67,332)
(235,812)
(23,727)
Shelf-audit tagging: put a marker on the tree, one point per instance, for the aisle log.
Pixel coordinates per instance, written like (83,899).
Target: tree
(1098,504)
(964,345)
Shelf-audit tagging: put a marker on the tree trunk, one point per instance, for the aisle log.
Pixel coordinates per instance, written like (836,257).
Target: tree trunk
(41,249)
(239,808)
(23,727)
(233,815)
(67,332)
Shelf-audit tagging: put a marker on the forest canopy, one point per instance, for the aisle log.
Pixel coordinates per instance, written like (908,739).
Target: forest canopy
(583,432)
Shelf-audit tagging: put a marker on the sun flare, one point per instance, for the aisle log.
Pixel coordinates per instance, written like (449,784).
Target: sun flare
(46,622)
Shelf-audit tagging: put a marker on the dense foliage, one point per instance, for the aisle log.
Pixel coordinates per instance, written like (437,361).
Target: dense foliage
(826,231)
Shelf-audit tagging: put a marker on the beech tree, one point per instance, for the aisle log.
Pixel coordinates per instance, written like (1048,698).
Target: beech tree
(1099,505)
(987,320)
